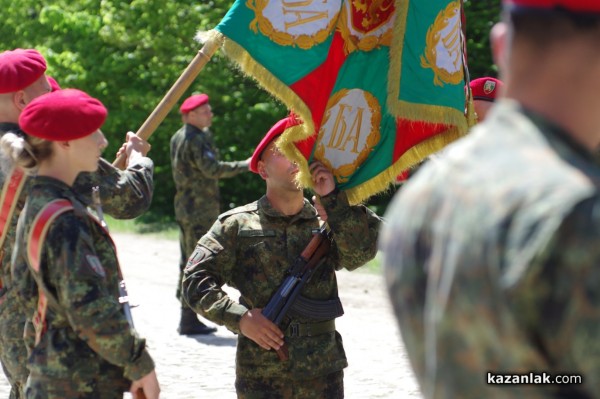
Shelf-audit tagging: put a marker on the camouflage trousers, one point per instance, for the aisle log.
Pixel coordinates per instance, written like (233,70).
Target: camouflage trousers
(101,387)
(330,386)
(188,238)
(13,352)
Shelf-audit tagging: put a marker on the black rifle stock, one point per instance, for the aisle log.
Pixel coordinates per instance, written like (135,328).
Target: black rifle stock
(299,274)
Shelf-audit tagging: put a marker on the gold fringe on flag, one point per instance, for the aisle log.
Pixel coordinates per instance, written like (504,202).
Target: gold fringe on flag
(279,90)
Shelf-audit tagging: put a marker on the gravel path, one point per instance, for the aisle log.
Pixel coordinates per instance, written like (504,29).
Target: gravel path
(203,366)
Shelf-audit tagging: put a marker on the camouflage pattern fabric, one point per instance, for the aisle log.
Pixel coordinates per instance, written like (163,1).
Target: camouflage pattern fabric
(491,260)
(88,343)
(330,387)
(126,194)
(13,354)
(250,248)
(196,173)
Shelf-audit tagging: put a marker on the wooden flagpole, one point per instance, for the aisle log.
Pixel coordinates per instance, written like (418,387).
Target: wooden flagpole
(175,92)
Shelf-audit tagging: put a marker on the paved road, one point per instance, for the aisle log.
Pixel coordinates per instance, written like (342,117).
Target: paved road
(203,367)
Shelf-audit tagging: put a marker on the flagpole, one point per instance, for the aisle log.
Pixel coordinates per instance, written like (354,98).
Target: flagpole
(175,92)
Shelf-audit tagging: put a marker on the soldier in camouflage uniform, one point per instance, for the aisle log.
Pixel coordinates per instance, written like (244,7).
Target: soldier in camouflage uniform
(84,345)
(492,254)
(126,194)
(196,172)
(250,248)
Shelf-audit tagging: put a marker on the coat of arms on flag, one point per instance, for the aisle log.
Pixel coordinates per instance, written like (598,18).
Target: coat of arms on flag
(379,84)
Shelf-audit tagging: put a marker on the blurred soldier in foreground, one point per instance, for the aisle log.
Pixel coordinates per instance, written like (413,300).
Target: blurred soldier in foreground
(492,254)
(196,173)
(251,248)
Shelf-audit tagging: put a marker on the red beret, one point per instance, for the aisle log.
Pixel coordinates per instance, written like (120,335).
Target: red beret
(193,102)
(572,5)
(485,89)
(62,115)
(277,129)
(53,83)
(20,68)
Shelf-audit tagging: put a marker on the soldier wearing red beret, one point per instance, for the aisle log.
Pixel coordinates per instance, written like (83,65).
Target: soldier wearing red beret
(196,172)
(251,248)
(484,91)
(84,345)
(126,194)
(492,254)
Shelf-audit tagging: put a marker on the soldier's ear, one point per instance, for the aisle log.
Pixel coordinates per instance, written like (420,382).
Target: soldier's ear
(262,170)
(63,144)
(19,100)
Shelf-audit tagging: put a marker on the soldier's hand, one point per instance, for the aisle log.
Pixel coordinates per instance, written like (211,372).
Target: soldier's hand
(319,207)
(135,147)
(322,178)
(148,384)
(122,151)
(261,330)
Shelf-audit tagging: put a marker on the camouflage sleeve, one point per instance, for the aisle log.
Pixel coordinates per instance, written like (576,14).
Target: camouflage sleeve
(210,266)
(355,230)
(81,282)
(557,298)
(125,194)
(206,161)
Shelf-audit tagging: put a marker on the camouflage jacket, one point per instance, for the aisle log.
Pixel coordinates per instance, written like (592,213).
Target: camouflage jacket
(491,259)
(125,194)
(87,332)
(250,248)
(196,170)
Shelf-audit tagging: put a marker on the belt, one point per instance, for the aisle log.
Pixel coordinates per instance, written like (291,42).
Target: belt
(310,329)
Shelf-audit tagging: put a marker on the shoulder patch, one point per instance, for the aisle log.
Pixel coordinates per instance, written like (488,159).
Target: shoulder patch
(252,207)
(209,154)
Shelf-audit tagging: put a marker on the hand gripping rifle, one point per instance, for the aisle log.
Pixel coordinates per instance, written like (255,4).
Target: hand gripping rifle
(298,275)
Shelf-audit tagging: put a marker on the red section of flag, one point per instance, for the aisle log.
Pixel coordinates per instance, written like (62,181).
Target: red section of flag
(316,87)
(409,134)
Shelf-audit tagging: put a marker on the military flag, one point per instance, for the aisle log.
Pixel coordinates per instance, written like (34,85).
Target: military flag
(362,75)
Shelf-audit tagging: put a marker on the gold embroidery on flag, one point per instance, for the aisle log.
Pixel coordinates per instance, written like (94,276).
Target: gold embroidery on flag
(367,24)
(349,131)
(301,23)
(443,53)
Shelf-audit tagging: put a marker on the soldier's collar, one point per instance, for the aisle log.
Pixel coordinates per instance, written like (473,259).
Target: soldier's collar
(307,212)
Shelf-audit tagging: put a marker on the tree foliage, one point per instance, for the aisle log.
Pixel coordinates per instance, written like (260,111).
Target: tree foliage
(129,53)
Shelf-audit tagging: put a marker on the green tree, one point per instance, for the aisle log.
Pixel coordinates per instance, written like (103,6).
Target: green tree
(128,54)
(481,15)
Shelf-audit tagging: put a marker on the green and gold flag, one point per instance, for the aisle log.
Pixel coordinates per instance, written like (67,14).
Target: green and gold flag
(349,69)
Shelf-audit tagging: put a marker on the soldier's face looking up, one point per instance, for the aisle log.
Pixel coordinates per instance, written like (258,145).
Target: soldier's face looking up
(277,170)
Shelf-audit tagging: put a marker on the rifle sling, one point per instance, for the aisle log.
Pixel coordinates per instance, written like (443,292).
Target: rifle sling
(316,309)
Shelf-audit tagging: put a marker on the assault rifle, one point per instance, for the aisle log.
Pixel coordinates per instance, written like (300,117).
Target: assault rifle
(298,275)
